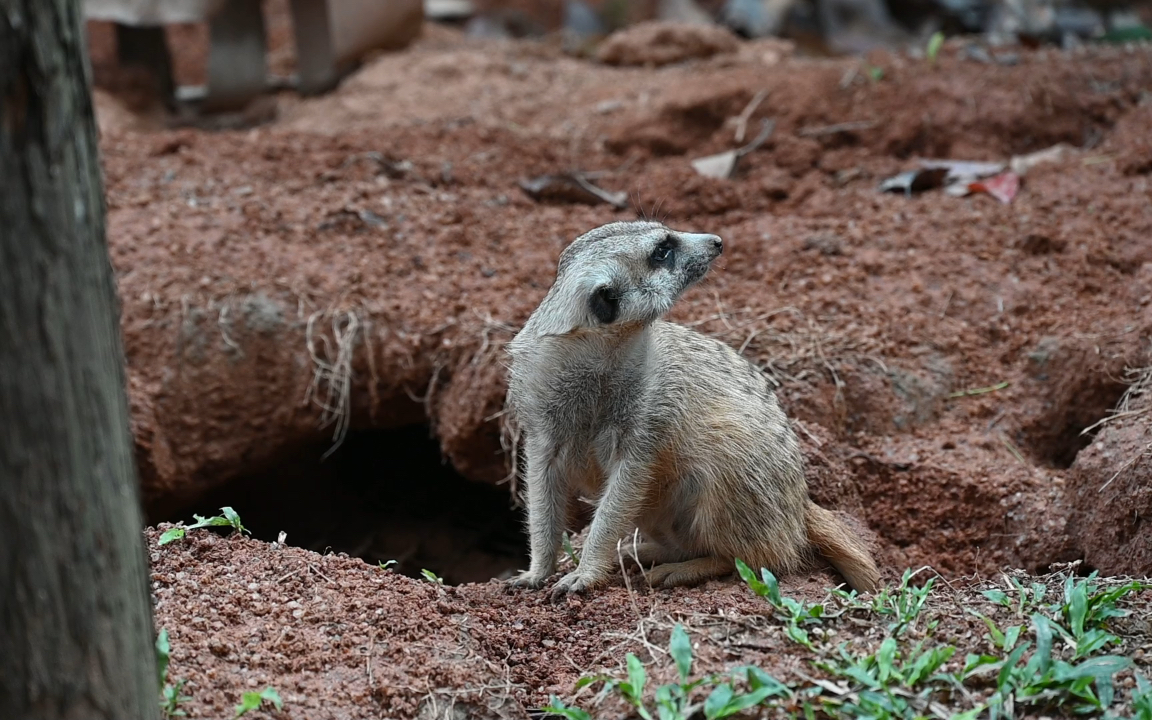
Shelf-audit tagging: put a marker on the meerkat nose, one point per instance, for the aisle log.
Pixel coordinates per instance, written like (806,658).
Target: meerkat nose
(703,242)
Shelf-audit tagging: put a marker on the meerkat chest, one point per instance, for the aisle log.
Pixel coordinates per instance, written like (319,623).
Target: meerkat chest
(579,399)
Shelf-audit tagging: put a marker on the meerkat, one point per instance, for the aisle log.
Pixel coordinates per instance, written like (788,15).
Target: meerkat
(675,433)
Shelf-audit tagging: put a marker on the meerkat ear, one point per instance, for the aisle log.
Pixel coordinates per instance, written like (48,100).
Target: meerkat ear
(604,303)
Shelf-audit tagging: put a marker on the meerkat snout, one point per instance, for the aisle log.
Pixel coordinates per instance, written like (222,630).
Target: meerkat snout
(686,256)
(705,241)
(674,433)
(711,246)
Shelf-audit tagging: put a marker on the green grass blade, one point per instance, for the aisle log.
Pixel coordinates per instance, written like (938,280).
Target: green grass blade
(680,648)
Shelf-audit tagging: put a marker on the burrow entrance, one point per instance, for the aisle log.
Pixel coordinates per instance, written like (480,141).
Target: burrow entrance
(383,495)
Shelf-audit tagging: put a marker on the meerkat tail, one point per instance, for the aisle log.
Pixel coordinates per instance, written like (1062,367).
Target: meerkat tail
(842,548)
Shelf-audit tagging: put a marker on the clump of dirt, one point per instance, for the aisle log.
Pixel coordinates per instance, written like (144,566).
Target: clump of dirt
(1110,486)
(688,118)
(662,43)
(1134,134)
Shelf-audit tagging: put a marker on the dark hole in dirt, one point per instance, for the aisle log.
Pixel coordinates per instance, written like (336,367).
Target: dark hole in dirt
(1068,444)
(383,495)
(1080,383)
(1059,437)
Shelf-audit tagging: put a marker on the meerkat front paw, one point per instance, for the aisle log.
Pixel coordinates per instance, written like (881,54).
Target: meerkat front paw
(574,582)
(529,579)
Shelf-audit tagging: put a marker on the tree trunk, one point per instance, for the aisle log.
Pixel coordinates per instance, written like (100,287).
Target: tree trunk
(75,622)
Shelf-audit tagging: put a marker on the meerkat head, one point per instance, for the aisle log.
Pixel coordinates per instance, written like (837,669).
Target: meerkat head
(624,273)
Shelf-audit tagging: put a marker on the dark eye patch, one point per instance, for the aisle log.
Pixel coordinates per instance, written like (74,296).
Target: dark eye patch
(604,305)
(663,255)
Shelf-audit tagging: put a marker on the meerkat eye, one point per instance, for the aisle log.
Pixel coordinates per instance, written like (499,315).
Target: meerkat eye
(662,254)
(605,304)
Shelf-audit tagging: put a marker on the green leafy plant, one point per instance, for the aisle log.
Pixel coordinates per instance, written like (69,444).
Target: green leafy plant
(567,542)
(229,518)
(163,655)
(386,565)
(632,689)
(253,700)
(891,683)
(1042,679)
(740,689)
(875,73)
(432,577)
(1002,639)
(888,667)
(556,706)
(1050,663)
(934,44)
(674,699)
(1087,610)
(849,599)
(728,698)
(680,648)
(1027,598)
(170,697)
(904,604)
(1142,699)
(795,614)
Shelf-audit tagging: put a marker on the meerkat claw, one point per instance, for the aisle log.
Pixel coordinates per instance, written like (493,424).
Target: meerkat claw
(656,576)
(570,584)
(528,579)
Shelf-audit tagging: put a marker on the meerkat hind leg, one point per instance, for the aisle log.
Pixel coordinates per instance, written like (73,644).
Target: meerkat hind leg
(689,572)
(648,553)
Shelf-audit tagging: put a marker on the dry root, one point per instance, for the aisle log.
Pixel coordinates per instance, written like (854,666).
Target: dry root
(331,386)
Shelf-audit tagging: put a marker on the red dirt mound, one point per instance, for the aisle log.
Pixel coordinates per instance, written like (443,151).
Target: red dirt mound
(1110,488)
(340,639)
(661,43)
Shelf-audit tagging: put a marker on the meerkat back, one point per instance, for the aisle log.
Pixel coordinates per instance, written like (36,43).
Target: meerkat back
(735,453)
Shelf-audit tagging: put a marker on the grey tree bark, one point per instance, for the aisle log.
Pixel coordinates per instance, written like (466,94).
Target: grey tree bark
(75,620)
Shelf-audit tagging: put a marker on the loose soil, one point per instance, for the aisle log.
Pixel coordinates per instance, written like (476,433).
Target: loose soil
(339,638)
(358,264)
